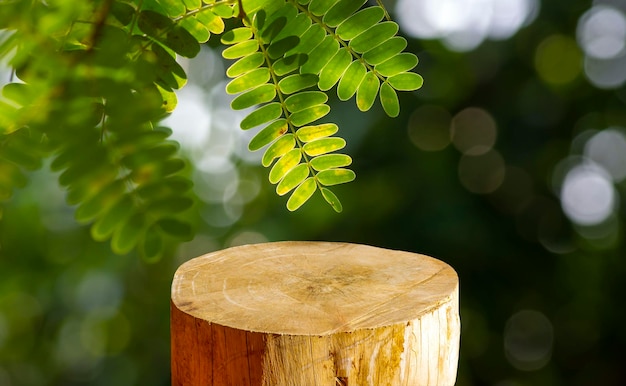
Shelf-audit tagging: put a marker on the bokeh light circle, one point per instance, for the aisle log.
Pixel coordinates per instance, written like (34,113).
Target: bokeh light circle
(587,194)
(608,148)
(482,174)
(601,32)
(528,339)
(473,131)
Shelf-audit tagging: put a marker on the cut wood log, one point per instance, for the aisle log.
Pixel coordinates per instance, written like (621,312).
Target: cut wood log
(314,314)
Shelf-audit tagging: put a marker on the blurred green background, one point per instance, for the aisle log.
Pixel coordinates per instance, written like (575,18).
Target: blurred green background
(508,164)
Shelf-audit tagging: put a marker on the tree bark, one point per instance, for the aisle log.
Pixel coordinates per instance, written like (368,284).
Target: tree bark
(314,314)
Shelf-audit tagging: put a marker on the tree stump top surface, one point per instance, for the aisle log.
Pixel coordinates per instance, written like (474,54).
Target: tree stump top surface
(311,288)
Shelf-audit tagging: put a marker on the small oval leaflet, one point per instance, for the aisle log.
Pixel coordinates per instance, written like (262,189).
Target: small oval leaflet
(245,64)
(331,72)
(320,56)
(236,35)
(302,194)
(330,198)
(386,50)
(297,82)
(341,11)
(351,80)
(262,115)
(330,161)
(311,133)
(359,22)
(308,115)
(367,91)
(292,179)
(399,63)
(269,133)
(303,100)
(284,165)
(249,80)
(407,81)
(374,36)
(389,100)
(323,146)
(279,148)
(335,176)
(242,49)
(262,94)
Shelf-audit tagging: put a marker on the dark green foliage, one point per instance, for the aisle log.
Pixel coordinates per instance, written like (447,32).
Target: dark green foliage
(98,76)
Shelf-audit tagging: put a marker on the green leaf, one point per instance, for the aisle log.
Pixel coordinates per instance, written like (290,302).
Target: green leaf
(112,218)
(262,115)
(330,198)
(100,202)
(262,94)
(359,22)
(389,100)
(173,8)
(311,133)
(279,148)
(171,205)
(236,35)
(351,80)
(374,36)
(407,81)
(341,11)
(270,133)
(245,64)
(320,56)
(284,165)
(175,228)
(211,20)
(284,66)
(302,194)
(385,51)
(292,179)
(280,47)
(303,100)
(151,247)
(320,7)
(330,161)
(331,177)
(249,80)
(127,235)
(323,146)
(296,26)
(192,4)
(198,30)
(239,50)
(367,91)
(297,82)
(308,115)
(309,40)
(334,69)
(396,65)
(164,188)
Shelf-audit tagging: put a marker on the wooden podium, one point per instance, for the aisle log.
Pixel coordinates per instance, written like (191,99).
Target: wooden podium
(314,314)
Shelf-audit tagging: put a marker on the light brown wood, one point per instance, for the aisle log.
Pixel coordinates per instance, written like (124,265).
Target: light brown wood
(314,314)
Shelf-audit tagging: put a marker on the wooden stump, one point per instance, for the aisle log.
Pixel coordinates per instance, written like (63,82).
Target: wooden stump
(314,314)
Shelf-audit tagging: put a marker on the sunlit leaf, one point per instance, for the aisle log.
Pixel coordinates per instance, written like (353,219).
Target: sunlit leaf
(212,20)
(407,81)
(284,165)
(301,194)
(308,115)
(284,66)
(374,36)
(332,199)
(242,49)
(303,100)
(351,80)
(297,82)
(103,228)
(341,11)
(249,80)
(331,177)
(367,91)
(245,64)
(319,7)
(324,145)
(330,161)
(309,40)
(334,69)
(280,47)
(279,148)
(320,56)
(236,35)
(100,202)
(311,133)
(359,22)
(389,100)
(398,64)
(385,51)
(262,115)
(261,94)
(292,179)
(269,133)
